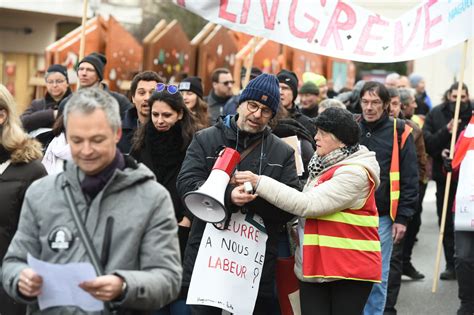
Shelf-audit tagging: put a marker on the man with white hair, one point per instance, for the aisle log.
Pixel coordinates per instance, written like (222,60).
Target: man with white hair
(391,80)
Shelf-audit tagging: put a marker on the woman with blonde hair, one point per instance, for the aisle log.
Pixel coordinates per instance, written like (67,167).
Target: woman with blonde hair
(20,165)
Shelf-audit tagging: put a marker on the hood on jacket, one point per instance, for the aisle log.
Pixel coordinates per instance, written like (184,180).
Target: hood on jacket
(367,159)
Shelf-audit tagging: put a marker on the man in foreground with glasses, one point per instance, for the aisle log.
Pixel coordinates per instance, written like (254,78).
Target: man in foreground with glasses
(267,155)
(42,112)
(397,194)
(222,84)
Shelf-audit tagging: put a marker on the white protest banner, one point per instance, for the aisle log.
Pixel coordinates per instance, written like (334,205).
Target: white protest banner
(343,30)
(229,265)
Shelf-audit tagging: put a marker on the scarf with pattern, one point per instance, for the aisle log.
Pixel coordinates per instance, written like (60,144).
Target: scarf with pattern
(319,163)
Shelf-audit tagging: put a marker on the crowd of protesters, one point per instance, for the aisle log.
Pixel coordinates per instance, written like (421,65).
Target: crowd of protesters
(126,164)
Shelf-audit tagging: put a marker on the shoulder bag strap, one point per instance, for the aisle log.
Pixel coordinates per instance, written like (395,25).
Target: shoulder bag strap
(249,149)
(85,238)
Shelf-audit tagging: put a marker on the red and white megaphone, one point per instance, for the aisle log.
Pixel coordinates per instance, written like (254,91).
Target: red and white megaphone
(207,203)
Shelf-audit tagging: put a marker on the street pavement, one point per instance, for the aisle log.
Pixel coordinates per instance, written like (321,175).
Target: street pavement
(415,296)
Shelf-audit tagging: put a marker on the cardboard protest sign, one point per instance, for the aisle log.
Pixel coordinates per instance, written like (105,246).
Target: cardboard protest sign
(343,30)
(296,145)
(229,265)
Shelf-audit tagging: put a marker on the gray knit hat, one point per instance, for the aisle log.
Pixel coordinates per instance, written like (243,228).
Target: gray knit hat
(263,89)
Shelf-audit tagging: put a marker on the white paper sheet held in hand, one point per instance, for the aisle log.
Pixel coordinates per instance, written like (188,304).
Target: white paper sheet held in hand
(61,284)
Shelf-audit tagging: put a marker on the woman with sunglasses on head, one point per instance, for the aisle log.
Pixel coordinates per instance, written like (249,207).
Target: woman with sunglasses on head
(191,89)
(20,165)
(161,145)
(338,257)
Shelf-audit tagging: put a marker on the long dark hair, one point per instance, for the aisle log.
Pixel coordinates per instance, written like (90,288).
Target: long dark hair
(175,101)
(200,114)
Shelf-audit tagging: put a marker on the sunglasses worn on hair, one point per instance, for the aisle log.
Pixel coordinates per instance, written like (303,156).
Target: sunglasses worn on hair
(172,89)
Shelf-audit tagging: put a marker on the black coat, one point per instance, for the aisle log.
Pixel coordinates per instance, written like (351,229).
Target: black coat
(304,120)
(14,181)
(277,161)
(436,134)
(165,167)
(40,114)
(130,124)
(13,184)
(288,127)
(378,137)
(164,160)
(215,106)
(124,103)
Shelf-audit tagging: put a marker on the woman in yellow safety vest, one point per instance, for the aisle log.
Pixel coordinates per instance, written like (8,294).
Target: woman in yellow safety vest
(338,256)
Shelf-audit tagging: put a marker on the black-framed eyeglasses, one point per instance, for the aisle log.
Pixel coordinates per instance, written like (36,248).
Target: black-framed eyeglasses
(254,107)
(230,82)
(172,89)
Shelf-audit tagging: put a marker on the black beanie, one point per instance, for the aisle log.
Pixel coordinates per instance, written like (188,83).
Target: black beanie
(254,72)
(263,89)
(290,79)
(98,61)
(58,68)
(193,84)
(340,122)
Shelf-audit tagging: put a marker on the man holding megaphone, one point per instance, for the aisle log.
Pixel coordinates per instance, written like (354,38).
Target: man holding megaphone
(259,151)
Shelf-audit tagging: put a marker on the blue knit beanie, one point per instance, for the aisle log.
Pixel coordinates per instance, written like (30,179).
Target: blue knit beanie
(263,89)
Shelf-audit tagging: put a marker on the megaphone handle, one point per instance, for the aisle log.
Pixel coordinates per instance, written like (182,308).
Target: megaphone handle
(226,224)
